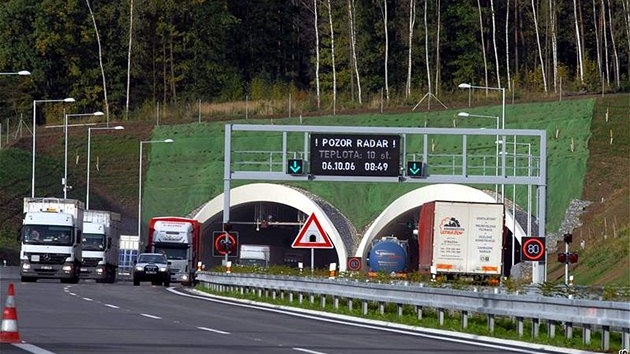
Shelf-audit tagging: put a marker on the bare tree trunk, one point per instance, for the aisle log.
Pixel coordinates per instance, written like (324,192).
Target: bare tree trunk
(626,14)
(596,25)
(483,45)
(554,42)
(494,44)
(172,71)
(507,45)
(437,48)
(578,41)
(316,55)
(332,49)
(100,62)
(540,56)
(384,13)
(605,40)
(614,45)
(129,59)
(412,21)
(353,43)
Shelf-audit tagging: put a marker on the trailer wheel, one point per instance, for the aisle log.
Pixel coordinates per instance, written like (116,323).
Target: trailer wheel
(167,283)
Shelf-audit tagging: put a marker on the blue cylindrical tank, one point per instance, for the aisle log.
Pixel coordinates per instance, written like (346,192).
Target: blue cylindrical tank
(388,255)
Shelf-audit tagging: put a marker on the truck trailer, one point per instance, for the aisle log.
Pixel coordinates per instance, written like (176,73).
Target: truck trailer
(178,238)
(461,240)
(100,242)
(51,239)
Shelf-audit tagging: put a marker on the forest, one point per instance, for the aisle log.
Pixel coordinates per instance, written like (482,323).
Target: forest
(121,56)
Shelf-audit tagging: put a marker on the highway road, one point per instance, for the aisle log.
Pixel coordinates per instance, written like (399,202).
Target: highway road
(120,318)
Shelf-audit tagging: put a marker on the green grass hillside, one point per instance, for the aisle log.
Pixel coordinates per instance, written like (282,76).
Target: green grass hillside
(180,177)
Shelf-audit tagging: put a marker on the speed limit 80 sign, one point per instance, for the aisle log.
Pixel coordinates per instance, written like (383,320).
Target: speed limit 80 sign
(533,248)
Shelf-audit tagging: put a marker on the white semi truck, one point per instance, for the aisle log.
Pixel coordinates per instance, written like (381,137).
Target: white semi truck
(51,239)
(178,238)
(100,242)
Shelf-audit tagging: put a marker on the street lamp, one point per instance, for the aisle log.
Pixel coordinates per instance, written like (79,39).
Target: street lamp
(65,100)
(496,156)
(502,89)
(65,128)
(87,190)
(140,180)
(21,73)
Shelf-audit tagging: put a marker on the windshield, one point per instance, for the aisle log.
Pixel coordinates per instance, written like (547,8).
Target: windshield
(93,242)
(47,235)
(151,258)
(173,253)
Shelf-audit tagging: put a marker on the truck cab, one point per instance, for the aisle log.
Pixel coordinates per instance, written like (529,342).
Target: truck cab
(177,238)
(100,244)
(51,239)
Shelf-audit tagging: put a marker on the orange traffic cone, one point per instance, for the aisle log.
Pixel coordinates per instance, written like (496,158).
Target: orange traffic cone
(9,332)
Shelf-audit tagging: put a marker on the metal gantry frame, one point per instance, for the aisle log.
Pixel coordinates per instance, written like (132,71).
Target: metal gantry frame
(462,171)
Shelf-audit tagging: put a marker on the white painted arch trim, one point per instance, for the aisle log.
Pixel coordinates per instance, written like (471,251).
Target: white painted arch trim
(417,197)
(275,193)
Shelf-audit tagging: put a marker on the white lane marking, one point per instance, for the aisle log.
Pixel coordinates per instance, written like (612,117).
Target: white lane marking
(465,338)
(213,330)
(151,316)
(73,294)
(308,351)
(87,299)
(32,348)
(112,306)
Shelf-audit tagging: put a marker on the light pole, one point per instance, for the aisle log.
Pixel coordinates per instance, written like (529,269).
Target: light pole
(502,89)
(35,102)
(64,182)
(140,181)
(496,156)
(21,73)
(87,189)
(529,189)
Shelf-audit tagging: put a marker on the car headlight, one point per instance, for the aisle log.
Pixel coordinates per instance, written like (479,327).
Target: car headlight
(139,268)
(162,269)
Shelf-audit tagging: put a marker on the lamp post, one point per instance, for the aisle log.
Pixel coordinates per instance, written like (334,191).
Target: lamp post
(502,89)
(529,189)
(21,73)
(87,189)
(64,182)
(35,102)
(496,156)
(140,180)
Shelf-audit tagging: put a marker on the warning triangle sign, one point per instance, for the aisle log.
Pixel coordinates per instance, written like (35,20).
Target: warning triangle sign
(312,235)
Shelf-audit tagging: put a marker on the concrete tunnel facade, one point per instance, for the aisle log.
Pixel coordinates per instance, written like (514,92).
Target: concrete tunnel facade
(338,228)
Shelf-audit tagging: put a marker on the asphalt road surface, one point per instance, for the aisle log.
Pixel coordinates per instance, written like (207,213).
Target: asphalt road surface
(122,318)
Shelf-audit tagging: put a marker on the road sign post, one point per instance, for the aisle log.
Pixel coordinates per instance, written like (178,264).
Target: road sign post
(312,236)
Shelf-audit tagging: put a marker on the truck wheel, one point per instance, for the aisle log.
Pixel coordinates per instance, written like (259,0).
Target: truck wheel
(136,282)
(167,283)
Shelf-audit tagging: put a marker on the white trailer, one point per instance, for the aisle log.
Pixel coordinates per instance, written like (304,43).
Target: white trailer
(100,244)
(50,239)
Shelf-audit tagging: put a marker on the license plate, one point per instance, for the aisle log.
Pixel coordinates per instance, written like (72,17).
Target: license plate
(46,267)
(35,258)
(84,269)
(150,272)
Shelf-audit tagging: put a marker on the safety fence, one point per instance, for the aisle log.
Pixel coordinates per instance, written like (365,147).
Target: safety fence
(589,315)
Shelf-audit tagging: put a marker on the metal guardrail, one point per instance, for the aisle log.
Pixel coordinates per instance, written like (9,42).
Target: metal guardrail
(587,314)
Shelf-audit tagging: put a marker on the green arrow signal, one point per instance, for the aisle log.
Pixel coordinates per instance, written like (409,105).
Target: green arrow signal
(295,166)
(414,169)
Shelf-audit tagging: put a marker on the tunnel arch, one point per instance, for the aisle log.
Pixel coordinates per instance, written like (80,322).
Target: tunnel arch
(338,228)
(417,197)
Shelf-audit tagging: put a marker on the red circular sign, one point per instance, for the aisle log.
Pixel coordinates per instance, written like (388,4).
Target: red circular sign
(223,244)
(533,248)
(354,263)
